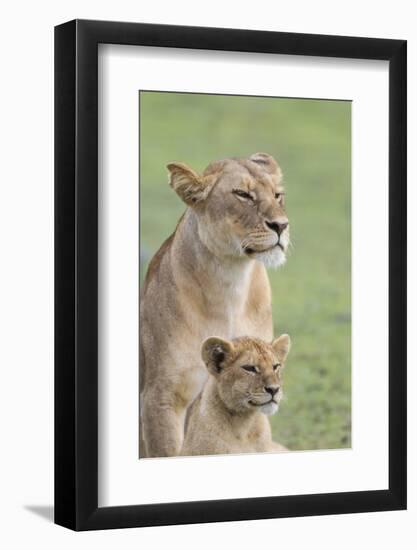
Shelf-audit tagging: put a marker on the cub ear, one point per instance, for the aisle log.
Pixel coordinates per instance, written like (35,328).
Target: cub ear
(189,186)
(267,163)
(215,352)
(282,346)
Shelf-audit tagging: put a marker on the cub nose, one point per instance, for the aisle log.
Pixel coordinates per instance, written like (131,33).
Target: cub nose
(272,389)
(278,227)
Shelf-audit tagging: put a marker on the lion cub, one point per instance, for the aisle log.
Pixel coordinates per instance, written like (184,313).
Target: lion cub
(229,415)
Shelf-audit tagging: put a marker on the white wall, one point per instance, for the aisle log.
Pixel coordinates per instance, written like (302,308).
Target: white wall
(26,288)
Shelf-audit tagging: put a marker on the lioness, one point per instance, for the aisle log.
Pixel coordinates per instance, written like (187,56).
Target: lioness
(245,385)
(207,278)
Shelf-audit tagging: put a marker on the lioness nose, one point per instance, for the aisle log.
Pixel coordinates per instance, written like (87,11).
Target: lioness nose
(272,389)
(277,227)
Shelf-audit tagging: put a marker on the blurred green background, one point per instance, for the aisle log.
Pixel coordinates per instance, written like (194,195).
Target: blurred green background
(311,293)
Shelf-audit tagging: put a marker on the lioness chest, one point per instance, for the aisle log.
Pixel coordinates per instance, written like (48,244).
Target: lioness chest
(178,318)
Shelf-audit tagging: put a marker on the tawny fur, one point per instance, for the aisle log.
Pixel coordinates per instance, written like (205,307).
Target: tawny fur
(229,414)
(207,278)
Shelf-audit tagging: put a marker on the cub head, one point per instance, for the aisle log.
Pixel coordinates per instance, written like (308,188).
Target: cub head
(247,371)
(240,207)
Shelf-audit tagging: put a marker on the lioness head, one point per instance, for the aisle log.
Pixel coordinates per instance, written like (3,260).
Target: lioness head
(239,205)
(247,371)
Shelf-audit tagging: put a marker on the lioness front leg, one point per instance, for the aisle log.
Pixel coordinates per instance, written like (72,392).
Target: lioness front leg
(162,423)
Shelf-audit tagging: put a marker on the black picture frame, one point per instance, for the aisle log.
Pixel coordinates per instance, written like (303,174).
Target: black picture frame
(76,272)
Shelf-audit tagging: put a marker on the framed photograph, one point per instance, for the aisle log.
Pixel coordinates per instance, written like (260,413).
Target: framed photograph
(230,255)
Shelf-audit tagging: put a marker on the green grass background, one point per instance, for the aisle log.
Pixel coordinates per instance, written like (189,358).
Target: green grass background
(311,293)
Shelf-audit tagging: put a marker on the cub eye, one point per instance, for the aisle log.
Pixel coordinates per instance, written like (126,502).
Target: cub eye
(250,368)
(278,196)
(243,194)
(276,367)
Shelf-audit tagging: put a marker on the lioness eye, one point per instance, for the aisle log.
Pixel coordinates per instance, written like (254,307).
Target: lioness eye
(278,196)
(250,368)
(243,194)
(275,367)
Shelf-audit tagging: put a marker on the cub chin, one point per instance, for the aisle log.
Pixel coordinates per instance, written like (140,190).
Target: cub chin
(229,415)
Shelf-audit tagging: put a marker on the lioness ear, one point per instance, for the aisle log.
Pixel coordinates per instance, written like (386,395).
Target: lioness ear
(282,346)
(189,186)
(215,352)
(267,163)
